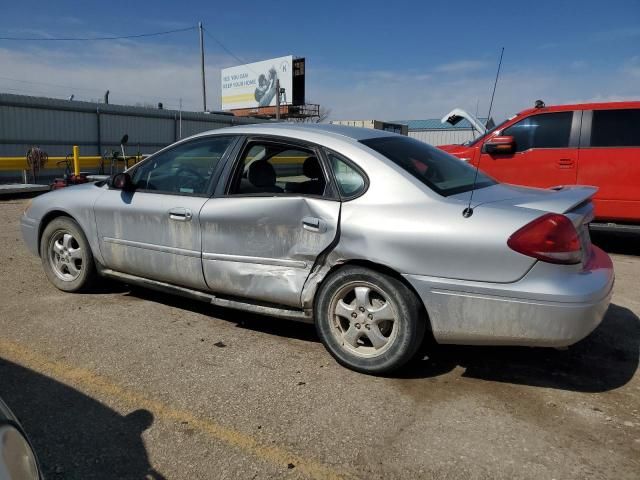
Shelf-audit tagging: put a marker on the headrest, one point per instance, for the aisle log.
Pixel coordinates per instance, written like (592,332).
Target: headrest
(262,174)
(311,168)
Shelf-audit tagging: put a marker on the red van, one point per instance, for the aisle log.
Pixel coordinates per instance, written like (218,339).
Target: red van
(587,144)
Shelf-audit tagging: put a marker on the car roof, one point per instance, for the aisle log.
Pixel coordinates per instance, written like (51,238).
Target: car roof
(581,106)
(314,129)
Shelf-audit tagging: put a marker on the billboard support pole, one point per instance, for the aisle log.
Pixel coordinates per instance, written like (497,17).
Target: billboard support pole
(277,99)
(204,88)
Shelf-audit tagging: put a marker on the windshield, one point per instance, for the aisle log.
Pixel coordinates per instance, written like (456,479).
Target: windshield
(441,172)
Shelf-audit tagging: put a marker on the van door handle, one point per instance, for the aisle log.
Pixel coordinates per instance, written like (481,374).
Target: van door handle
(180,214)
(314,224)
(565,163)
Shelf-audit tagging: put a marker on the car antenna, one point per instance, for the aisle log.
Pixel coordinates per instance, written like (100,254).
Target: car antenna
(467,212)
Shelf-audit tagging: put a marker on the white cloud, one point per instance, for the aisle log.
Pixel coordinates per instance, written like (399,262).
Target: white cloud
(134,73)
(616,34)
(145,72)
(578,64)
(461,66)
(406,97)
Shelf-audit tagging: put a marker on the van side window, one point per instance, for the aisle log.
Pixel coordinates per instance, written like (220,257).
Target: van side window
(616,128)
(546,130)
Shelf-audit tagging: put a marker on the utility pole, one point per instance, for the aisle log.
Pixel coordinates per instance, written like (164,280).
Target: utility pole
(204,88)
(277,99)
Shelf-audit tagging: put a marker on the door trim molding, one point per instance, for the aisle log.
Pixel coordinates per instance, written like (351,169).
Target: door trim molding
(149,246)
(279,262)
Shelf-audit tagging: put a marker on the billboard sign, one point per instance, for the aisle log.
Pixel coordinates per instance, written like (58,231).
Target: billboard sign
(254,85)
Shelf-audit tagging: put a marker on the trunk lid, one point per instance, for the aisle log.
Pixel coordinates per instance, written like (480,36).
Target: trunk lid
(559,199)
(572,201)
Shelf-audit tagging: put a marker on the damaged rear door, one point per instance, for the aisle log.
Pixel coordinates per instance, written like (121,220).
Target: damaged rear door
(279,210)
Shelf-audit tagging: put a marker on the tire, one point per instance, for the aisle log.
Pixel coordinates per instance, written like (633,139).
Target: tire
(66,255)
(369,321)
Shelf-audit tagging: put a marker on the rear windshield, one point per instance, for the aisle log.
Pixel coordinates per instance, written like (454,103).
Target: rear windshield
(441,172)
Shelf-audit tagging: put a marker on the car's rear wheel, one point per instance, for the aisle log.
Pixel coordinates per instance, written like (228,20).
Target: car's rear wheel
(66,255)
(369,321)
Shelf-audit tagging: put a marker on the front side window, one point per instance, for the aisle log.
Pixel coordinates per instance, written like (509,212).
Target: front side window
(546,130)
(616,128)
(185,169)
(278,168)
(441,172)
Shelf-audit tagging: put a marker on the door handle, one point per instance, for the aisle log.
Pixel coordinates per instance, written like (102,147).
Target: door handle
(314,224)
(565,163)
(180,214)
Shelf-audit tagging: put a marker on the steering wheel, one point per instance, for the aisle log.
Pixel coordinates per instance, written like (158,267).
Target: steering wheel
(193,179)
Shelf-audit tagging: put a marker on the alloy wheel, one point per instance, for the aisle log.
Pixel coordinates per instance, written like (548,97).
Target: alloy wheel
(364,319)
(65,256)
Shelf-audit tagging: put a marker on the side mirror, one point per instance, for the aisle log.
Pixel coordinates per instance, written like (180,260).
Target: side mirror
(124,140)
(500,145)
(122,181)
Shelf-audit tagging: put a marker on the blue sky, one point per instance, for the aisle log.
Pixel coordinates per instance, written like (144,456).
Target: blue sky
(375,59)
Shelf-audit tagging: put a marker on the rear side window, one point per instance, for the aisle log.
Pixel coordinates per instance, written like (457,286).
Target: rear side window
(350,182)
(441,172)
(616,128)
(271,167)
(547,130)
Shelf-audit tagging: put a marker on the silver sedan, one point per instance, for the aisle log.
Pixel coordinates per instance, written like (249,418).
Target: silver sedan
(372,236)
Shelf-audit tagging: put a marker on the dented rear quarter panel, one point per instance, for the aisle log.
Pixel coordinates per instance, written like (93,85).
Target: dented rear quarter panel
(402,224)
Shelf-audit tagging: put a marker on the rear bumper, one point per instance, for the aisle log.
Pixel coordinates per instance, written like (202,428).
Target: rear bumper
(29,228)
(552,306)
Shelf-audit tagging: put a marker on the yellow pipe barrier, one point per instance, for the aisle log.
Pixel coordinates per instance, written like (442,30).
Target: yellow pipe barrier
(76,160)
(88,162)
(93,162)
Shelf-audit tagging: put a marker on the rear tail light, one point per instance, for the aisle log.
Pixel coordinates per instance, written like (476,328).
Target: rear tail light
(551,238)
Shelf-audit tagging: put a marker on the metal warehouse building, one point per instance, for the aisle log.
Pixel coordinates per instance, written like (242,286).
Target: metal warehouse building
(434,132)
(56,125)
(394,127)
(431,131)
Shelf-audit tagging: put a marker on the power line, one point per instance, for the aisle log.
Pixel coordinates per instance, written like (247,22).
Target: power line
(73,39)
(223,46)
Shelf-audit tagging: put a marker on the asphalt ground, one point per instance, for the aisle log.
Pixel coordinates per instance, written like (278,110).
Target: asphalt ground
(127,383)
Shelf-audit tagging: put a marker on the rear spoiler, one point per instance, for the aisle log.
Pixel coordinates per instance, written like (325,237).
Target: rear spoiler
(556,200)
(564,200)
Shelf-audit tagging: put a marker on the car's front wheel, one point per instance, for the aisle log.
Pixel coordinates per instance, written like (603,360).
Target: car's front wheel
(369,321)
(66,255)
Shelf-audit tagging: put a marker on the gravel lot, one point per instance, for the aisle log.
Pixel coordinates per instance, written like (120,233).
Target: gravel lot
(128,383)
